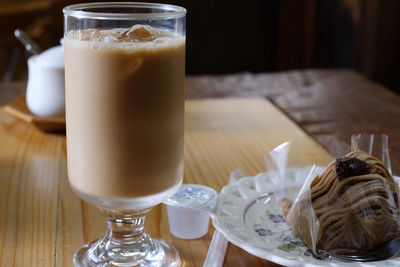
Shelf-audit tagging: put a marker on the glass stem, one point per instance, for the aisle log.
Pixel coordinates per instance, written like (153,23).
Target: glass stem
(126,228)
(126,244)
(125,240)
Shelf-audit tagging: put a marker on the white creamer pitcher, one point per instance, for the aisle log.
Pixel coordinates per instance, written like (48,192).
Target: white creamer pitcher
(45,93)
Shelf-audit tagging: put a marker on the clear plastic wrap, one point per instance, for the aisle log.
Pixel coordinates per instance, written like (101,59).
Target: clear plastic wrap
(350,207)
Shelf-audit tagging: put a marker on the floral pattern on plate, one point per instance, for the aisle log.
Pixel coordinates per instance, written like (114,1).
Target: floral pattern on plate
(274,226)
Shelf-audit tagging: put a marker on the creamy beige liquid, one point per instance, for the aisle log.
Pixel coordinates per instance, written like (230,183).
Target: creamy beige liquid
(124,110)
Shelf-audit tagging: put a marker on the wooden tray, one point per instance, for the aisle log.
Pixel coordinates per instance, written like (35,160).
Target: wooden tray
(18,109)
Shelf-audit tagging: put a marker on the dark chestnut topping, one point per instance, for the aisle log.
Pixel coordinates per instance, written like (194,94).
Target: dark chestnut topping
(347,167)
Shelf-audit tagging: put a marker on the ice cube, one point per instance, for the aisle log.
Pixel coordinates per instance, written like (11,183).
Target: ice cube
(88,35)
(139,33)
(161,39)
(110,38)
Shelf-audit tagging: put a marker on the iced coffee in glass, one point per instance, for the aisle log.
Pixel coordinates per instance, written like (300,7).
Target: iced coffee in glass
(125,72)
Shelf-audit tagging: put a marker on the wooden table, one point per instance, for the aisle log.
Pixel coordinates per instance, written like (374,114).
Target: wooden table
(42,223)
(329,104)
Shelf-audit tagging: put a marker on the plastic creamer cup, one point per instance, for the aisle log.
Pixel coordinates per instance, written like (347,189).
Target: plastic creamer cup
(189,210)
(45,93)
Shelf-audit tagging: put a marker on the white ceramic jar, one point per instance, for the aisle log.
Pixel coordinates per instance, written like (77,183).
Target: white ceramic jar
(45,93)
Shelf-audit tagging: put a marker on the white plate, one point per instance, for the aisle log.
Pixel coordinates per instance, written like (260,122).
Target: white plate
(248,215)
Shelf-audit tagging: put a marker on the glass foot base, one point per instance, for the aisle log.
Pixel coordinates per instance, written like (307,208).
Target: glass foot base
(158,254)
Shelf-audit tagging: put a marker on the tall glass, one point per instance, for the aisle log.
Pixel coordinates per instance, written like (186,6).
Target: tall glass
(124,75)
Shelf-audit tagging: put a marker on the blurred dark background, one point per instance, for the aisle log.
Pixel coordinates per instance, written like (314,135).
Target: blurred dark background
(236,36)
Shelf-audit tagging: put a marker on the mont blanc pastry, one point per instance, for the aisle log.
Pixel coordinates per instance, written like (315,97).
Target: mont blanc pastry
(355,207)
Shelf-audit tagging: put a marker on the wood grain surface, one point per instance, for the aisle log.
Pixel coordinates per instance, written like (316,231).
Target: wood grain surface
(42,223)
(330,104)
(20,110)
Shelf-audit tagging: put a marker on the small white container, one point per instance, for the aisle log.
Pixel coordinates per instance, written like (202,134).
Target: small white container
(189,210)
(45,93)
